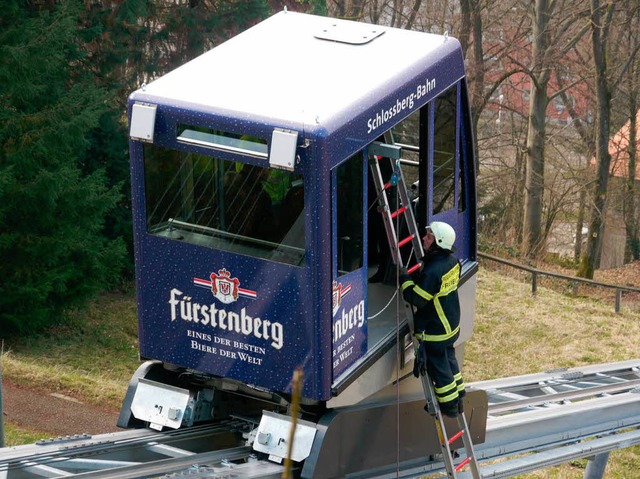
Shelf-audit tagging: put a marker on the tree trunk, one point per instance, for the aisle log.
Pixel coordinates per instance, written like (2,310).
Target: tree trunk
(534,179)
(632,244)
(414,13)
(515,220)
(532,240)
(471,35)
(577,247)
(591,259)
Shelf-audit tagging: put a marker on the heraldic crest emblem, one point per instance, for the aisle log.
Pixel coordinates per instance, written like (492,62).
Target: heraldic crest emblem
(224,287)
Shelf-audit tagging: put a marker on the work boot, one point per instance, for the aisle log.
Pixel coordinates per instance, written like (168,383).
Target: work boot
(450,409)
(430,409)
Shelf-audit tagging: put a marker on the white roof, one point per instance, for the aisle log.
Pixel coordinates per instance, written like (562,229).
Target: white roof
(280,71)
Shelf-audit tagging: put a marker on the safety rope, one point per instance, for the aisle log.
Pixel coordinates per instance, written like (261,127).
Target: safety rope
(385,306)
(399,350)
(395,294)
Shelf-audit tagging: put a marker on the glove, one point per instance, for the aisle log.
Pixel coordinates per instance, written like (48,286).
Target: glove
(420,361)
(403,275)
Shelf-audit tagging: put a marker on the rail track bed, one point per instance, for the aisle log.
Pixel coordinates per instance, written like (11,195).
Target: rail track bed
(534,421)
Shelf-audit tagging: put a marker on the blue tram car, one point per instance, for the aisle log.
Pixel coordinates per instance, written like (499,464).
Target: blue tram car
(258,242)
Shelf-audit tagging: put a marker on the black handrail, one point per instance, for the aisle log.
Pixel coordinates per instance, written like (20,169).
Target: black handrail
(535,272)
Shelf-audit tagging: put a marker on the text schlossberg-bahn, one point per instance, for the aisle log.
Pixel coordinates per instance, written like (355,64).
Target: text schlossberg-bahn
(401,104)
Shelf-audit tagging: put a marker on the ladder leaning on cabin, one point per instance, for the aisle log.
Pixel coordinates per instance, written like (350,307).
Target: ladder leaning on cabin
(381,157)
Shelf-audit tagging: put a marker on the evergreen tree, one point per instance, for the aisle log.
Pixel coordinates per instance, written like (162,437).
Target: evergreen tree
(130,42)
(53,254)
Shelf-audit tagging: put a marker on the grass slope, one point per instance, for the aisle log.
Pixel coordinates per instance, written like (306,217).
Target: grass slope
(95,354)
(516,333)
(91,357)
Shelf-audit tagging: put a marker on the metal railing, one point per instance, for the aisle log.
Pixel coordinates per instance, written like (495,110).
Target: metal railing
(572,279)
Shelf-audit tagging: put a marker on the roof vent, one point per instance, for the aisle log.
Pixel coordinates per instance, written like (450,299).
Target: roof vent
(353,33)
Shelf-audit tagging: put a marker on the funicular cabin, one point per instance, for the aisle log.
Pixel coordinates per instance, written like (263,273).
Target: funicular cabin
(256,218)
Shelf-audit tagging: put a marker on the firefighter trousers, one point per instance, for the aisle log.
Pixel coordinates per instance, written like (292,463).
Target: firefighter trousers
(443,369)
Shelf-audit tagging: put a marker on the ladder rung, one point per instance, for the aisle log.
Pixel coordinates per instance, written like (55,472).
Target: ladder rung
(403,242)
(413,268)
(456,437)
(399,212)
(463,463)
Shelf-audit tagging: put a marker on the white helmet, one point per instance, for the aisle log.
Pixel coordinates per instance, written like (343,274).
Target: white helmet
(444,234)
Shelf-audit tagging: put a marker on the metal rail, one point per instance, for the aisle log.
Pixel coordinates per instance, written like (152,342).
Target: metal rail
(619,289)
(535,421)
(198,451)
(546,419)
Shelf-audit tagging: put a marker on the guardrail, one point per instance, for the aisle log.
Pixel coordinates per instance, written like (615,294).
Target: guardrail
(573,279)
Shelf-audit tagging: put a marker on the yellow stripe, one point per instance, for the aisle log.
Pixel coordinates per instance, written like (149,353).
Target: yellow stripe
(446,389)
(421,292)
(449,398)
(436,337)
(442,316)
(406,284)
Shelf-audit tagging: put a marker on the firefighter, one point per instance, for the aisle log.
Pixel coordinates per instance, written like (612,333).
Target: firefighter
(437,317)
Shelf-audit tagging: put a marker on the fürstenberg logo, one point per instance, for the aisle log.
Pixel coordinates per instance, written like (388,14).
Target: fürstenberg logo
(224,320)
(226,289)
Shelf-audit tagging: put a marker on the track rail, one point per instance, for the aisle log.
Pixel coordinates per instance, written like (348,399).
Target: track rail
(534,421)
(546,419)
(199,452)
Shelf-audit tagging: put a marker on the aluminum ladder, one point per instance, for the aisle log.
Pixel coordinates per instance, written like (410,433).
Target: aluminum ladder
(446,442)
(386,156)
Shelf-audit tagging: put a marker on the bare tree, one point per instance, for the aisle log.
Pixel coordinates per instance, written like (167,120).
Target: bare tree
(586,134)
(631,92)
(550,43)
(607,80)
(501,178)
(493,36)
(632,246)
(600,25)
(393,13)
(347,9)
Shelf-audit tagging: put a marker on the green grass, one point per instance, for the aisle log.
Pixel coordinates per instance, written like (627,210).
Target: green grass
(14,436)
(516,334)
(94,355)
(91,357)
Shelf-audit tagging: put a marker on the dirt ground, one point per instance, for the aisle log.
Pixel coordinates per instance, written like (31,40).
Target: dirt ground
(56,415)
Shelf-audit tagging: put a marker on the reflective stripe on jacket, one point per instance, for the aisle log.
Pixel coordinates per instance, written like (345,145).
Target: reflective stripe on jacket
(435,296)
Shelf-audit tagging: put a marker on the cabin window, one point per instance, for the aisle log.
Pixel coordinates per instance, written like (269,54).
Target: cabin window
(223,141)
(466,161)
(406,134)
(411,135)
(349,199)
(225,205)
(444,150)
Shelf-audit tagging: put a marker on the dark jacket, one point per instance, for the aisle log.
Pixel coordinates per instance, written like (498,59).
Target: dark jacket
(435,295)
